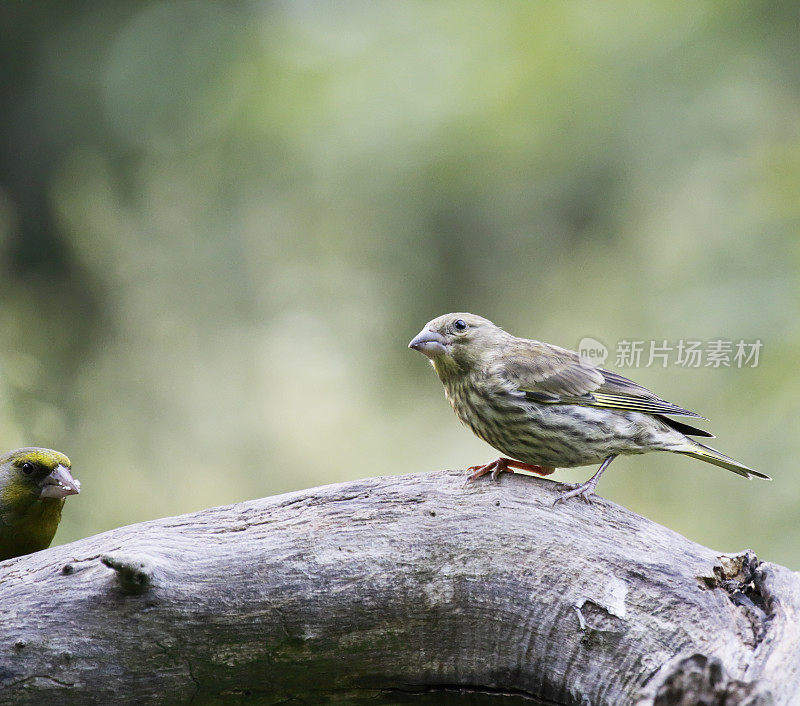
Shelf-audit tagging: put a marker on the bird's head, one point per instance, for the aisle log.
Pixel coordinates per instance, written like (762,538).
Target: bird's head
(31,474)
(458,343)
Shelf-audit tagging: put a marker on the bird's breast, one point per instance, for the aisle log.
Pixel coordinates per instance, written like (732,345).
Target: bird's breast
(489,411)
(550,435)
(33,530)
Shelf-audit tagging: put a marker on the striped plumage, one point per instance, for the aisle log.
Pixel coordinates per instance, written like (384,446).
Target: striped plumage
(542,407)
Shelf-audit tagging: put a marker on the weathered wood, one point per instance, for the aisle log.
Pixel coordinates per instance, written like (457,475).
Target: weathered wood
(411,589)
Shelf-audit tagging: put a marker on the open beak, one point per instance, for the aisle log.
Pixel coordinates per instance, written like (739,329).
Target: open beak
(429,343)
(59,484)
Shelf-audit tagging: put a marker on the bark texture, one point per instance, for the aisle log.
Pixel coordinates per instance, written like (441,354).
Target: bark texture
(409,589)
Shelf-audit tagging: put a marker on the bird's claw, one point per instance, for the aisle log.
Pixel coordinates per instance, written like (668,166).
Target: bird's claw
(495,468)
(584,491)
(563,487)
(476,472)
(472,475)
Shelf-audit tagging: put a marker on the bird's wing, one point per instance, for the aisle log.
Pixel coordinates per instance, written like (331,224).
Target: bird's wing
(552,375)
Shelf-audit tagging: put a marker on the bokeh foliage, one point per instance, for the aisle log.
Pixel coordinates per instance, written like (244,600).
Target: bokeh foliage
(220,224)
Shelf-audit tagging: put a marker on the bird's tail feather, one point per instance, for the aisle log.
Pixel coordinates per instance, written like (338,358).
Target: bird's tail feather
(709,455)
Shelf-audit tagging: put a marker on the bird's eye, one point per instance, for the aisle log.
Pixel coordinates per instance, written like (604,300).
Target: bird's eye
(27,468)
(460,325)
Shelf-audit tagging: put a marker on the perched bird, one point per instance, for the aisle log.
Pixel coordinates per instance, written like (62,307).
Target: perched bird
(542,407)
(33,485)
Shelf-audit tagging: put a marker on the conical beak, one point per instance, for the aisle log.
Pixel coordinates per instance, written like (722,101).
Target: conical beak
(60,483)
(429,343)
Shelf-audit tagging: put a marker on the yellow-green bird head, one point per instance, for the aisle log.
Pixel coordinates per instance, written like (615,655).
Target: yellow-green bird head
(33,485)
(458,342)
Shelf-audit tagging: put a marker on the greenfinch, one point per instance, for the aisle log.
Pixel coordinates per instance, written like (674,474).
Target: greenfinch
(544,408)
(34,483)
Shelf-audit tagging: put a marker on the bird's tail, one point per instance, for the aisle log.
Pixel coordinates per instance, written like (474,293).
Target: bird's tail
(709,455)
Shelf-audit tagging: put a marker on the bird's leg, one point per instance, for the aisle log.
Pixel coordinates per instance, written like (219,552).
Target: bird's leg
(583,490)
(538,470)
(501,464)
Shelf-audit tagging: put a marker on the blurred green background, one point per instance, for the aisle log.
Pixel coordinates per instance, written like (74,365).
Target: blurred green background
(221,223)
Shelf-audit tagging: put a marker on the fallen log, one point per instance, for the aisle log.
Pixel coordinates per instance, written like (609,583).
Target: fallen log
(406,589)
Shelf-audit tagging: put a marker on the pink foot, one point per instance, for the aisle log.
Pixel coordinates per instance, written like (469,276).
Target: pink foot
(501,464)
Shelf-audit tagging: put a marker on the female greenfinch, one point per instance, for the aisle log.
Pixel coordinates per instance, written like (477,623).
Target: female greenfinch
(541,406)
